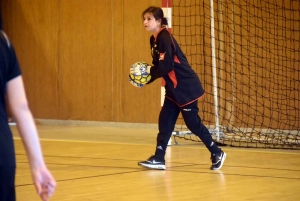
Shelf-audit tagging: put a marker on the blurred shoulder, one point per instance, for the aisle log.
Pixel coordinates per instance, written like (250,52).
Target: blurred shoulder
(4,39)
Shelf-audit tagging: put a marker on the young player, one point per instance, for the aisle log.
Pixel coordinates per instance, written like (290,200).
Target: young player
(11,85)
(183,89)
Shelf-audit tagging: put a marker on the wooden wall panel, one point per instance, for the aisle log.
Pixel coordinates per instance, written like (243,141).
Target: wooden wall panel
(76,55)
(119,69)
(32,28)
(85,60)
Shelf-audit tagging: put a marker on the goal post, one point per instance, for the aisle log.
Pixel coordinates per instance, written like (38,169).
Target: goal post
(246,53)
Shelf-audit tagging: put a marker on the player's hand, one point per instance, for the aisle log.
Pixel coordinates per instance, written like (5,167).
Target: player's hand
(44,183)
(139,85)
(138,69)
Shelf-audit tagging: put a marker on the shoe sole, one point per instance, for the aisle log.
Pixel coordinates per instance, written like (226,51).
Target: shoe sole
(222,161)
(155,167)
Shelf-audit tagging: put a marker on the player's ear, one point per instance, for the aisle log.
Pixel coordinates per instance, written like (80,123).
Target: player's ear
(159,22)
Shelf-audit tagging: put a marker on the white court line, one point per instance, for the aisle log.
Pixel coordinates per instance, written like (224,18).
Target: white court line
(273,151)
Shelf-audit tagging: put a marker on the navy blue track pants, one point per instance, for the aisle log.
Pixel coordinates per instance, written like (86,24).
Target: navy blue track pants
(167,120)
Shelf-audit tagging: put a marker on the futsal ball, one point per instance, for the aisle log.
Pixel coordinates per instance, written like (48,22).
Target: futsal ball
(142,77)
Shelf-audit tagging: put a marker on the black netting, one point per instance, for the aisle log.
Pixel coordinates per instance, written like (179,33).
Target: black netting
(257,62)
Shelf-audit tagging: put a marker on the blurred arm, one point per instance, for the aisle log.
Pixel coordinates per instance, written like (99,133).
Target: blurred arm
(25,123)
(42,178)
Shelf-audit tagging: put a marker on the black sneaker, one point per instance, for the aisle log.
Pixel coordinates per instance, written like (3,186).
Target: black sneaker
(217,160)
(153,163)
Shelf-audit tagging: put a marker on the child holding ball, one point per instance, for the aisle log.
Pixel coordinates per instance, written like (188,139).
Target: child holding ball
(183,89)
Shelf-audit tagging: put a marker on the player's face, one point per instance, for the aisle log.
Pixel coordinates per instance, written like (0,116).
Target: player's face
(151,24)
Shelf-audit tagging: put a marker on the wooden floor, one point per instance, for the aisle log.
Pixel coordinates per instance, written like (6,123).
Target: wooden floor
(92,163)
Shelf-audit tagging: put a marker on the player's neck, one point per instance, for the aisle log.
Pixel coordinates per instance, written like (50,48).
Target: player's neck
(155,34)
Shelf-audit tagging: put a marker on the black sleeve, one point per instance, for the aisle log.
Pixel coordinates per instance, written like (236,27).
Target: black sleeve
(12,64)
(166,57)
(14,69)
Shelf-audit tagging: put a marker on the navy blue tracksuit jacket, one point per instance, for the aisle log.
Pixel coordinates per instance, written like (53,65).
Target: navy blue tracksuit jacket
(182,84)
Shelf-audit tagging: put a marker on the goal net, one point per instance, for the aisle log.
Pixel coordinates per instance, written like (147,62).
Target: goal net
(247,55)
